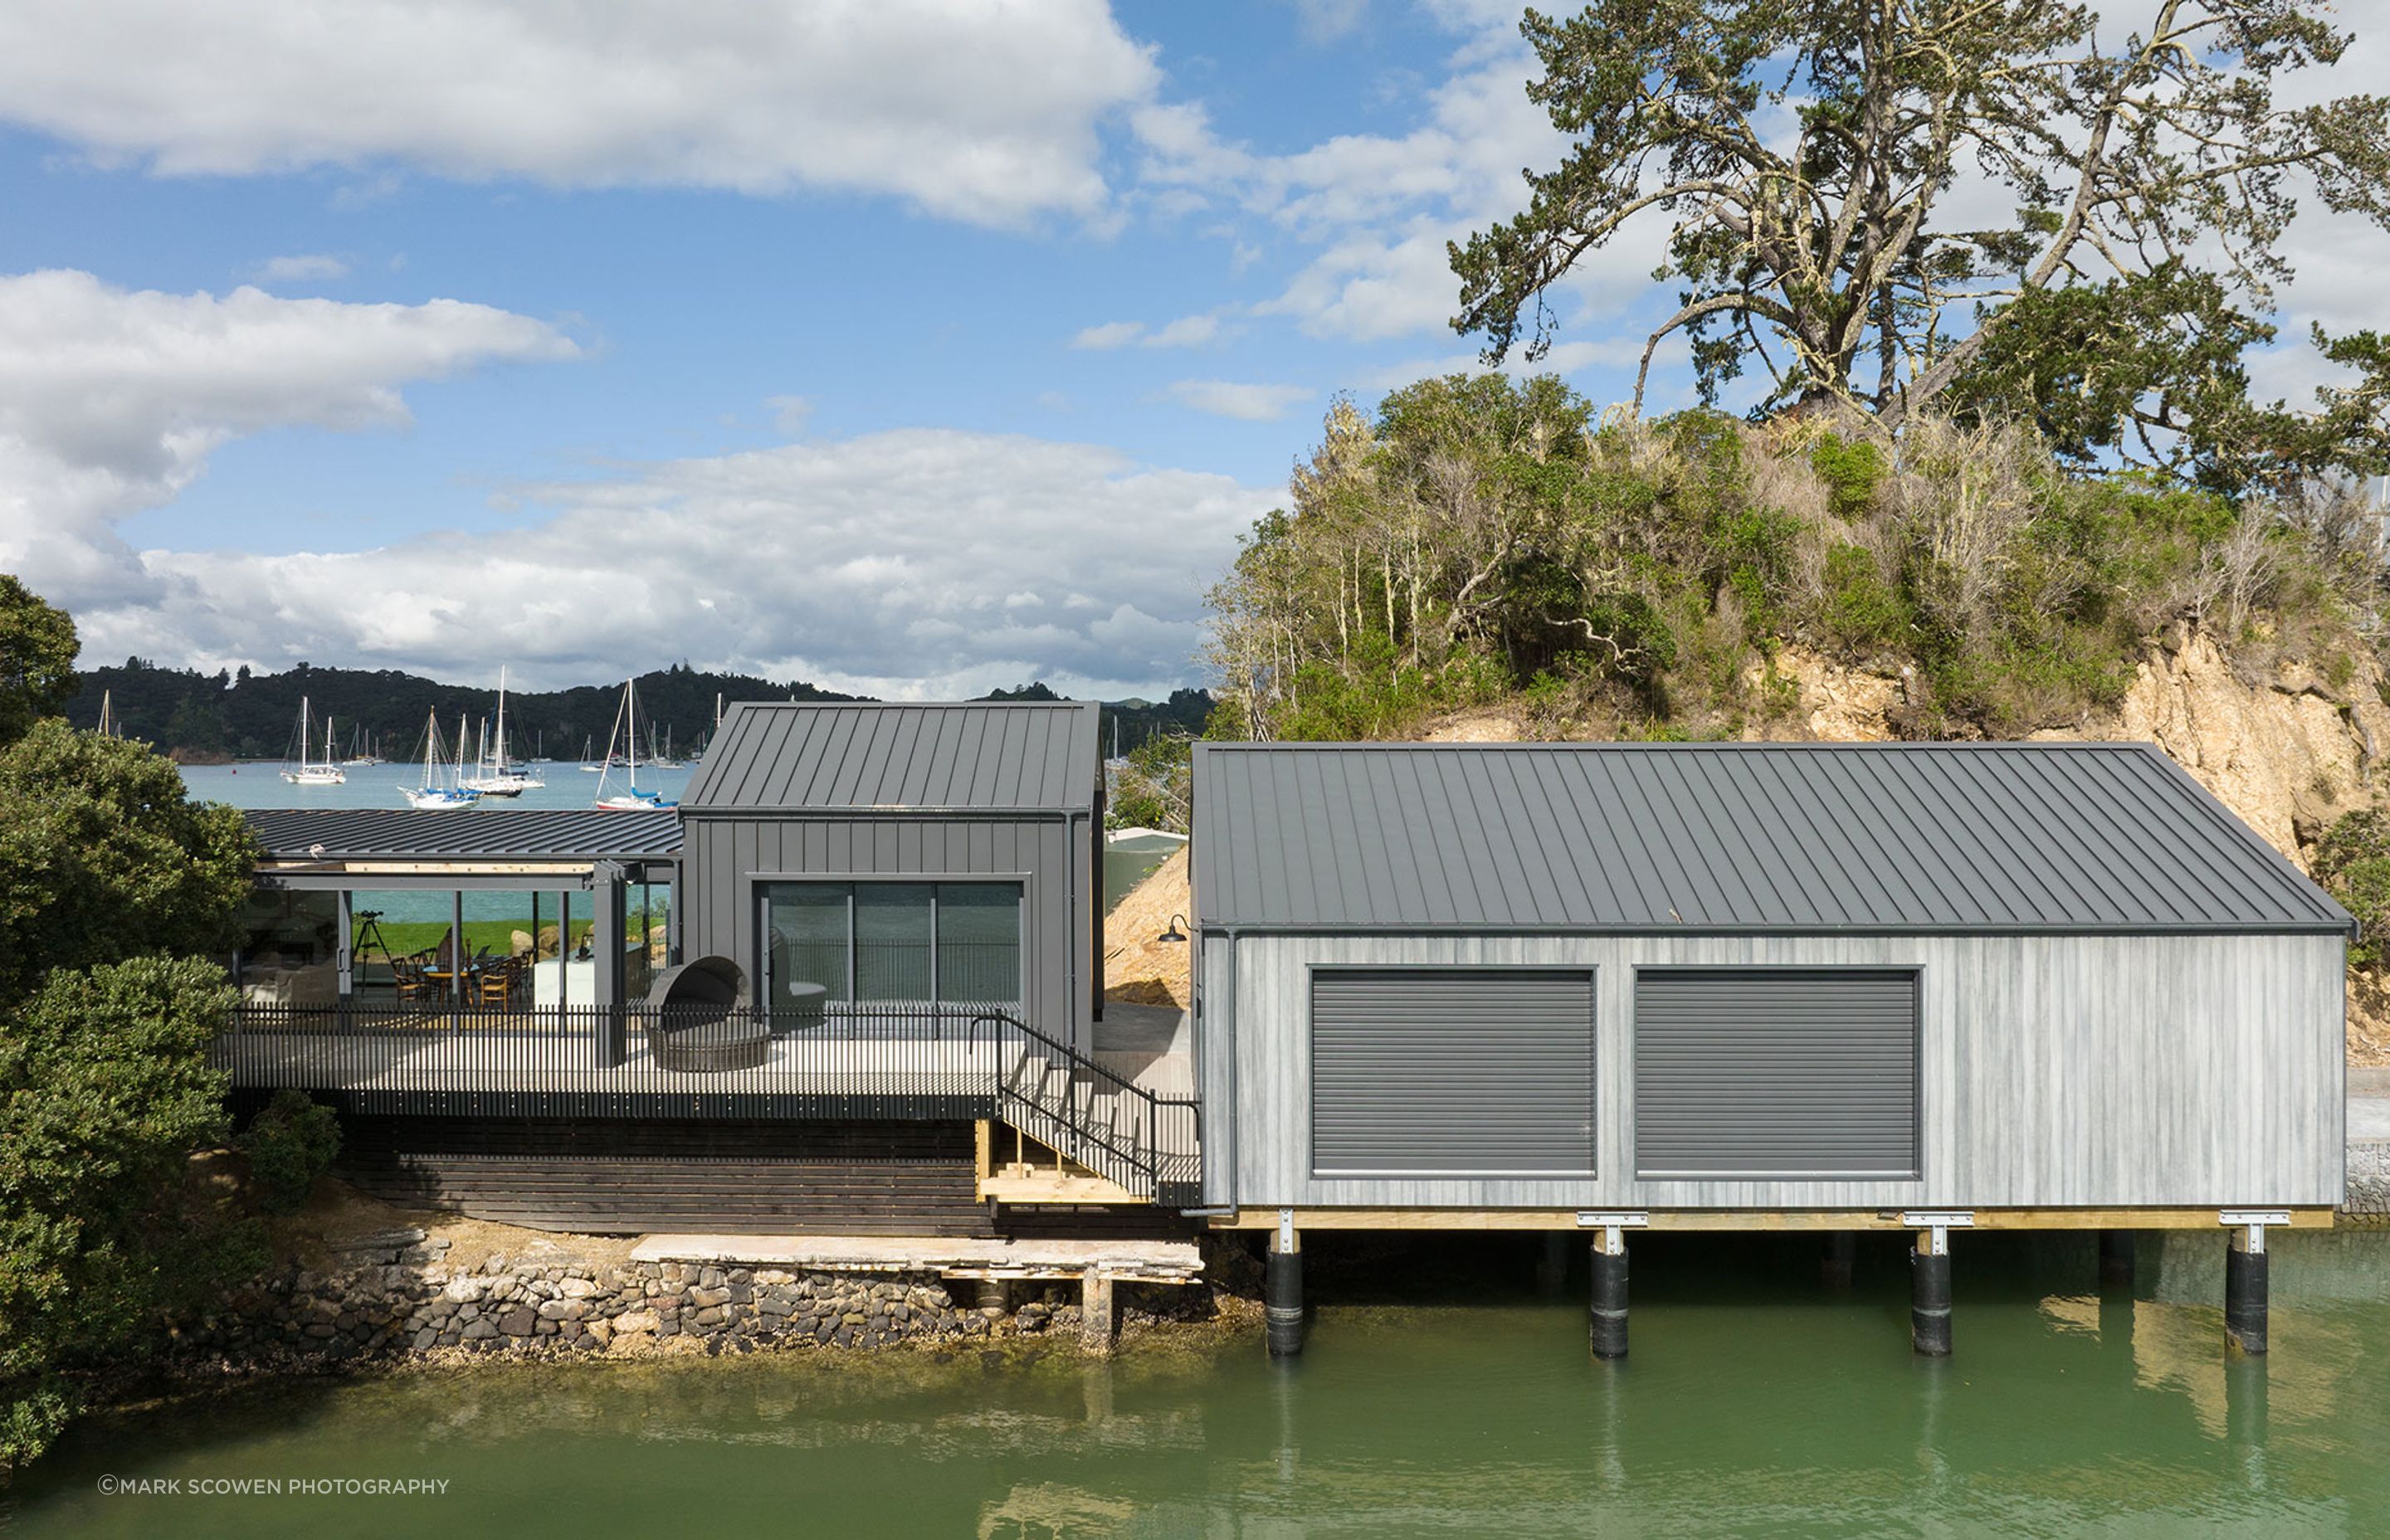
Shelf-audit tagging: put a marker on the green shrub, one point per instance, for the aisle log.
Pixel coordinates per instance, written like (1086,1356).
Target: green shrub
(2353,863)
(1850,472)
(1862,609)
(288,1145)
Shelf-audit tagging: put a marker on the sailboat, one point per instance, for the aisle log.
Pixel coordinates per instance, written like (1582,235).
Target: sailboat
(586,763)
(432,796)
(108,725)
(494,776)
(361,751)
(632,799)
(664,760)
(307,772)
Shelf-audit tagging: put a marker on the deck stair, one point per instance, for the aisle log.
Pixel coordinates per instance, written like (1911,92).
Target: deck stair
(1013,1168)
(1110,1139)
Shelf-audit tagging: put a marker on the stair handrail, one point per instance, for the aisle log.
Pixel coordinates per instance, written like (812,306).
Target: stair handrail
(1145,1165)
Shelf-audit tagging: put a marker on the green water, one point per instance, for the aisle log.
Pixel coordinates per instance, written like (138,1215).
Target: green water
(1757,1402)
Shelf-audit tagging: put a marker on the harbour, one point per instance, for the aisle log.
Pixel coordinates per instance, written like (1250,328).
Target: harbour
(1442,1394)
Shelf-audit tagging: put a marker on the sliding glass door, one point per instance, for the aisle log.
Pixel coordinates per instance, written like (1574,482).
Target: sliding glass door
(914,942)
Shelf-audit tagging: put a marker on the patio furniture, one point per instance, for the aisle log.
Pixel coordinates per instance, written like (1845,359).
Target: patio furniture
(497,981)
(411,979)
(694,1029)
(800,1006)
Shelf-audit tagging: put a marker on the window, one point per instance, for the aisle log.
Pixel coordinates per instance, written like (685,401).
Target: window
(955,943)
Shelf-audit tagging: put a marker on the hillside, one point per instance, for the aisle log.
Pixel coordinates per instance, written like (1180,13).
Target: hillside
(2282,748)
(247,716)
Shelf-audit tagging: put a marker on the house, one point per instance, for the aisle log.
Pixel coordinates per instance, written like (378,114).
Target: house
(946,853)
(802,1001)
(855,984)
(1610,986)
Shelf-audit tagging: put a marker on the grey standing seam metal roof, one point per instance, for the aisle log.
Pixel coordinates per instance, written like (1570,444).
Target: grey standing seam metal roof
(467,834)
(834,755)
(1744,837)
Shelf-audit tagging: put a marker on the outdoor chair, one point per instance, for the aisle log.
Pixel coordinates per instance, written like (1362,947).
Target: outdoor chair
(499,980)
(411,978)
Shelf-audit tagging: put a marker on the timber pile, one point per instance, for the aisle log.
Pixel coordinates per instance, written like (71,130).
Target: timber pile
(1138,969)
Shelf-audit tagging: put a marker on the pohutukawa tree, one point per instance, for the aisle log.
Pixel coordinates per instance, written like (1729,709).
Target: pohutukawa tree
(1826,166)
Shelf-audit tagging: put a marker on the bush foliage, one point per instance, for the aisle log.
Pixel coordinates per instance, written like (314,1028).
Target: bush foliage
(1480,537)
(111,879)
(290,1144)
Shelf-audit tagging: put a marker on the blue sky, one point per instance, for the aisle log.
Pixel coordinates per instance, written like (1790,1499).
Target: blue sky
(910,347)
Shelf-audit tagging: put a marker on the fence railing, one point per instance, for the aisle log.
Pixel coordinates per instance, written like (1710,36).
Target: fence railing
(901,1061)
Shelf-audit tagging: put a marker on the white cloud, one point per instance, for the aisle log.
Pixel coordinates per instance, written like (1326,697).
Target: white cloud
(789,414)
(1112,334)
(1187,331)
(303,269)
(111,401)
(973,112)
(1225,398)
(1619,355)
(1381,208)
(1325,20)
(921,562)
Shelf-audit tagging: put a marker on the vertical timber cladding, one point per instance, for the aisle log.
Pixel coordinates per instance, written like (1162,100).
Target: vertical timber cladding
(1476,1071)
(1776,1071)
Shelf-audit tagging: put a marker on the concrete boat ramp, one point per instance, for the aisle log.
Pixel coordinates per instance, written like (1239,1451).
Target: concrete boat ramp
(994,1265)
(1126,1261)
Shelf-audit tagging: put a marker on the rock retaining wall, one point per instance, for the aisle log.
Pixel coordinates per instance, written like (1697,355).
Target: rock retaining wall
(2369,1184)
(399,1294)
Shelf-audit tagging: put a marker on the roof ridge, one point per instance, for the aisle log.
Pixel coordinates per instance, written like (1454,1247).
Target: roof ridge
(2103,745)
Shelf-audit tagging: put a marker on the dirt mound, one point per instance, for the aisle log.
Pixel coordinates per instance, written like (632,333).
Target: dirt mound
(1138,968)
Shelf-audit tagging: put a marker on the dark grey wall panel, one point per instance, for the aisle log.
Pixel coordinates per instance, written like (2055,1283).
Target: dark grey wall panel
(1051,854)
(1791,1071)
(1475,1072)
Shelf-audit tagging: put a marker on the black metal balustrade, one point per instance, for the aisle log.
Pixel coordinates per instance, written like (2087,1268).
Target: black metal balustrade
(912,1062)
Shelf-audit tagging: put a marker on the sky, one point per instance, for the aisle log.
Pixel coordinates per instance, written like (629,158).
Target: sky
(907,347)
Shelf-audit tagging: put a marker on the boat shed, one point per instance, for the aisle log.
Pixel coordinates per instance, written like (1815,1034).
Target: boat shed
(904,853)
(1837,986)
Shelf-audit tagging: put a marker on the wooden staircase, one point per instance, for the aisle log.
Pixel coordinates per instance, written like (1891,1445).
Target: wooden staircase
(1079,1133)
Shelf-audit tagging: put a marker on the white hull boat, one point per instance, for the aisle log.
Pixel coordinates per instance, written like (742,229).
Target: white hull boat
(494,776)
(309,772)
(434,795)
(631,799)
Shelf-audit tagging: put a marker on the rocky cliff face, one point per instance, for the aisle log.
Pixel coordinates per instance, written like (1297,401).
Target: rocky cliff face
(2283,747)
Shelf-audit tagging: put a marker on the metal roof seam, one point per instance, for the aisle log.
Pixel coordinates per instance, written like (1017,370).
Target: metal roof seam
(1851,837)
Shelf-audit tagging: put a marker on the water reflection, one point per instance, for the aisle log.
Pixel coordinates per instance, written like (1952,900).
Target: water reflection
(1783,1407)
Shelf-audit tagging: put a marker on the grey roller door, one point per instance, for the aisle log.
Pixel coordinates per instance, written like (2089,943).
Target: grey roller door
(1458,1072)
(1775,1072)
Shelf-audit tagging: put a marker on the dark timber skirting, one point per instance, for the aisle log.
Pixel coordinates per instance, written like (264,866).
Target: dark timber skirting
(696,1175)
